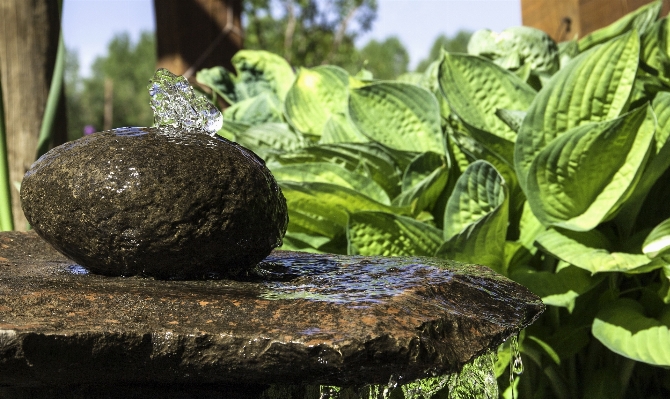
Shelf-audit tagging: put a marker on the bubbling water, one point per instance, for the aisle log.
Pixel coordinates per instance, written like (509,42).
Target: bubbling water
(175,104)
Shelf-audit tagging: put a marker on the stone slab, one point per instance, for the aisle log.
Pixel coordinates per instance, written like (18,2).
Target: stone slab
(299,318)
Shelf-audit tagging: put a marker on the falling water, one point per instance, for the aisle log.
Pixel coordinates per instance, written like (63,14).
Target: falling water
(176,105)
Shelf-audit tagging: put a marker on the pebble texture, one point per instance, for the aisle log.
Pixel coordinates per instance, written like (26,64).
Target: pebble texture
(156,202)
(303,319)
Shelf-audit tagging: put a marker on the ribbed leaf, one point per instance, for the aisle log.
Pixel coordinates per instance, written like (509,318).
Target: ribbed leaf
(230,129)
(423,182)
(581,178)
(557,289)
(476,217)
(402,116)
(270,138)
(593,87)
(315,96)
(476,87)
(339,129)
(658,240)
(380,233)
(258,71)
(624,329)
(641,20)
(262,108)
(369,159)
(323,172)
(324,208)
(220,81)
(590,251)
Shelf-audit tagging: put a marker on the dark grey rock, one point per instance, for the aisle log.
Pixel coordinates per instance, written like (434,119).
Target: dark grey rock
(304,319)
(155,202)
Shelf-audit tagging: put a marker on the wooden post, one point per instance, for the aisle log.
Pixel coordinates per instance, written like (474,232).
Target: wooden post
(569,19)
(29,32)
(195,34)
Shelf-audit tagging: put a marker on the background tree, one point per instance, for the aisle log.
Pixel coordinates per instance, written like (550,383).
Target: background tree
(28,49)
(455,44)
(309,32)
(126,68)
(387,59)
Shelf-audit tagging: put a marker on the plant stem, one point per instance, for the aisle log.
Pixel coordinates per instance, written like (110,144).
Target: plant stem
(6,219)
(46,130)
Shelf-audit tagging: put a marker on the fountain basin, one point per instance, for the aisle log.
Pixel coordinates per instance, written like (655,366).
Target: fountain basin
(299,318)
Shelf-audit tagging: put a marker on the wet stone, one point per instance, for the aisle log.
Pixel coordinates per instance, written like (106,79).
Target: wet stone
(162,202)
(295,319)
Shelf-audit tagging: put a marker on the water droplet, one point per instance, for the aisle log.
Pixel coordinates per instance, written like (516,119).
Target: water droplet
(175,104)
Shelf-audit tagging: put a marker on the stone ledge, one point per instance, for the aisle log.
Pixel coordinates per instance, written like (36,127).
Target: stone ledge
(301,319)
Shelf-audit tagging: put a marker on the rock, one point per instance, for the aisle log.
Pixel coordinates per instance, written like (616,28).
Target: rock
(307,319)
(155,202)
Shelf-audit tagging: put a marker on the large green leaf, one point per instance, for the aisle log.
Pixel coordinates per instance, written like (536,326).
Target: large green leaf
(324,208)
(315,96)
(270,138)
(258,71)
(380,233)
(332,173)
(557,289)
(230,129)
(476,87)
(581,178)
(658,240)
(654,52)
(591,251)
(339,129)
(624,329)
(517,46)
(369,159)
(641,20)
(402,116)
(262,108)
(476,216)
(593,87)
(423,182)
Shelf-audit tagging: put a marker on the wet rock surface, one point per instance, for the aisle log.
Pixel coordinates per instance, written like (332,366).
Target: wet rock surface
(156,202)
(299,318)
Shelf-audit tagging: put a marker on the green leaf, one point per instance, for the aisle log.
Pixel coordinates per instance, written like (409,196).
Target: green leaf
(423,182)
(476,216)
(368,159)
(262,108)
(323,209)
(339,129)
(654,52)
(624,329)
(581,178)
(220,81)
(476,87)
(557,289)
(331,173)
(402,116)
(259,71)
(230,129)
(593,87)
(517,46)
(380,233)
(658,240)
(512,118)
(303,242)
(641,20)
(270,138)
(590,251)
(316,95)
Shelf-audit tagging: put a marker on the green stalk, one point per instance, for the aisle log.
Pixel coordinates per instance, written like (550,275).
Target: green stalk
(46,130)
(6,220)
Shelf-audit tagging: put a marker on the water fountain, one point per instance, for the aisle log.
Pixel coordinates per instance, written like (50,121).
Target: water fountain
(293,325)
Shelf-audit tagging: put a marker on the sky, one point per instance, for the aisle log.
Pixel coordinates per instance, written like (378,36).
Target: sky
(88,25)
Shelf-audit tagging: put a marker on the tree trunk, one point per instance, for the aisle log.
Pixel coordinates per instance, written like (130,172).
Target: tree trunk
(195,34)
(28,44)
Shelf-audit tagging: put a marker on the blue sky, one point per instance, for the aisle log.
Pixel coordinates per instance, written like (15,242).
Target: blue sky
(88,25)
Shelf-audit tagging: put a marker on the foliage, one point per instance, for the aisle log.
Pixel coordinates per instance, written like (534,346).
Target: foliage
(309,32)
(387,59)
(127,66)
(548,165)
